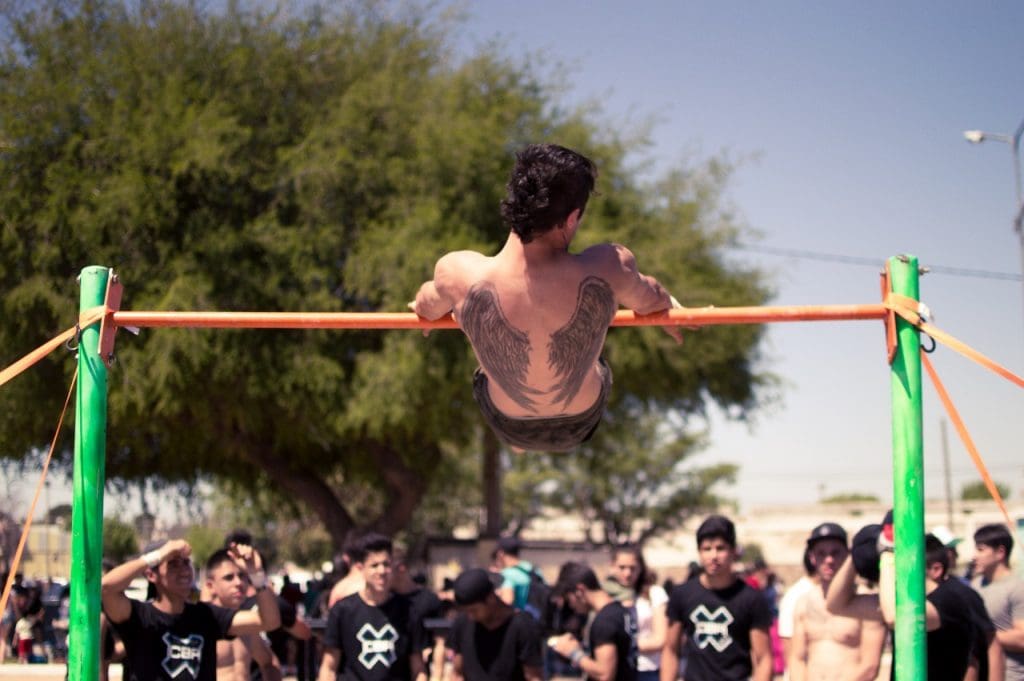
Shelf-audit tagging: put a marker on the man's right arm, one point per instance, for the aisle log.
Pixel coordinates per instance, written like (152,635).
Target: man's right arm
(115,603)
(639,292)
(670,653)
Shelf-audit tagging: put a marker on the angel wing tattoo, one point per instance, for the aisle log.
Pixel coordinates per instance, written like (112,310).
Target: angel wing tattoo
(503,350)
(573,348)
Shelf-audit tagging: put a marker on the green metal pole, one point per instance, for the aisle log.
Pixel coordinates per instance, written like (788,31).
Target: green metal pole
(908,483)
(87,501)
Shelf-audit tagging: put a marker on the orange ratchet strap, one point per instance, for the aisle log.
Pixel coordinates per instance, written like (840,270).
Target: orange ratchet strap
(954,415)
(35,499)
(87,318)
(910,310)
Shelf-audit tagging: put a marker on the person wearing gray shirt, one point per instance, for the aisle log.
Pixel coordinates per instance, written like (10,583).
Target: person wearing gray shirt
(1003,593)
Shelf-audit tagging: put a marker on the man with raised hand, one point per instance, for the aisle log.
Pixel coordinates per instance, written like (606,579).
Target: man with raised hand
(536,314)
(827,647)
(226,587)
(170,638)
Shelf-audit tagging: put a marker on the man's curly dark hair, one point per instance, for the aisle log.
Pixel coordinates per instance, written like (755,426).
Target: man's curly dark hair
(547,184)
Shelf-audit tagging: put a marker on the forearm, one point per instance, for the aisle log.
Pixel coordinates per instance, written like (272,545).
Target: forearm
(762,668)
(120,578)
(842,589)
(1012,640)
(266,606)
(669,664)
(887,587)
(596,670)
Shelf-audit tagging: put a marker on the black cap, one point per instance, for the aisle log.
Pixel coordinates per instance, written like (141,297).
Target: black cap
(509,545)
(827,531)
(864,552)
(473,586)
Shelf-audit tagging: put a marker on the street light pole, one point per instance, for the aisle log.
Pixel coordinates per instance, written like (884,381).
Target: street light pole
(979,136)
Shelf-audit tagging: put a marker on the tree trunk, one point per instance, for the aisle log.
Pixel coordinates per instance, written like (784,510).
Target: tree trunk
(492,484)
(311,489)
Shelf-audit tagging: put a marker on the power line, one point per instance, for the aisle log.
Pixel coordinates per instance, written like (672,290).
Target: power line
(875,262)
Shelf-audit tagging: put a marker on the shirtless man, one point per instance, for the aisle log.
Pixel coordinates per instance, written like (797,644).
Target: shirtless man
(226,587)
(537,315)
(828,647)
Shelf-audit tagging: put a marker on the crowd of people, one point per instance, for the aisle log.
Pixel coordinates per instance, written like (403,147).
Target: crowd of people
(379,621)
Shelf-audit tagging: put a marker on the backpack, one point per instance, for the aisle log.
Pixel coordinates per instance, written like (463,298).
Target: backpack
(538,597)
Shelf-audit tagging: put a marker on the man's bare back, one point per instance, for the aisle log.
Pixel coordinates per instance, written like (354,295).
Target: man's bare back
(537,315)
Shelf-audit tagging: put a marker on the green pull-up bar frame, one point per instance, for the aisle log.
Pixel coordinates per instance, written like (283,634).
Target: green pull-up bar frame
(908,450)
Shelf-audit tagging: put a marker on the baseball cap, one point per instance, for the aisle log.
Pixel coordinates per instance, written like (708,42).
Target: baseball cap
(473,586)
(948,539)
(864,552)
(827,531)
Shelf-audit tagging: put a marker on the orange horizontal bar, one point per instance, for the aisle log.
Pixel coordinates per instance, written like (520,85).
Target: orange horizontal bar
(697,316)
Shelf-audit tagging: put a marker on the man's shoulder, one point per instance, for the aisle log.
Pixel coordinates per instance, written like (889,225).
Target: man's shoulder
(459,261)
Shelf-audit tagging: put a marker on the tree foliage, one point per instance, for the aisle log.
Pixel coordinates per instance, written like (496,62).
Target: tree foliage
(119,540)
(977,491)
(316,161)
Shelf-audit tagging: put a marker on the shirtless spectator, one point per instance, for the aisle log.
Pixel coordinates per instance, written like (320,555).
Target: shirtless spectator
(542,384)
(828,647)
(351,582)
(226,587)
(171,638)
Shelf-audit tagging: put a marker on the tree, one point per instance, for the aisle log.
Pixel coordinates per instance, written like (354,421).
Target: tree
(977,491)
(627,486)
(119,540)
(850,497)
(317,162)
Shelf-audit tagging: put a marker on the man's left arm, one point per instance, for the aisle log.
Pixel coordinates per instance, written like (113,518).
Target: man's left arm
(266,617)
(761,654)
(1012,639)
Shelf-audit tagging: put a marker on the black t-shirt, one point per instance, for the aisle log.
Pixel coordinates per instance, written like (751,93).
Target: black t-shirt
(717,624)
(375,641)
(165,647)
(424,605)
(499,654)
(615,624)
(951,645)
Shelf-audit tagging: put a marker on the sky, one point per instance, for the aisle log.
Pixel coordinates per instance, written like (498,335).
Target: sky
(847,120)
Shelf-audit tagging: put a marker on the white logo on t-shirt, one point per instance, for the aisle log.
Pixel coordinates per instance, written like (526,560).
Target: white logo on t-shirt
(378,645)
(183,654)
(712,628)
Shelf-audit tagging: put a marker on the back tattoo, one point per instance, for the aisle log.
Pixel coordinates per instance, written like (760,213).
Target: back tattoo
(504,351)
